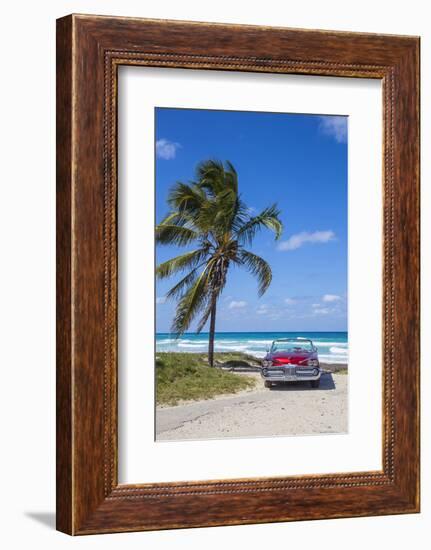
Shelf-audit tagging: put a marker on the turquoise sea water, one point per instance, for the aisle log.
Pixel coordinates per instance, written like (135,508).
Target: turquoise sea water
(332,346)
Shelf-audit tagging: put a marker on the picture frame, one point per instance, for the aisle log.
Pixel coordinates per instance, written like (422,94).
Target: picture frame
(89,51)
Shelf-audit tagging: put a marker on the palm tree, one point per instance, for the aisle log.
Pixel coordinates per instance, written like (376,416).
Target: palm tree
(210,214)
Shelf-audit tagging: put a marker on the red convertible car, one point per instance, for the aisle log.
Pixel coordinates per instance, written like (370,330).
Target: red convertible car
(291,360)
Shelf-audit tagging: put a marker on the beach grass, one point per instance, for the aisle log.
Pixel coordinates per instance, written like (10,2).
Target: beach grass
(187,376)
(342,371)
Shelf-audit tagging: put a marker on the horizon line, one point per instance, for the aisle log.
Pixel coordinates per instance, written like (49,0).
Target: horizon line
(247,331)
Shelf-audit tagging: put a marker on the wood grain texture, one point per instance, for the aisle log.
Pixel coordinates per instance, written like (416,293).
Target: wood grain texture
(90,49)
(64,495)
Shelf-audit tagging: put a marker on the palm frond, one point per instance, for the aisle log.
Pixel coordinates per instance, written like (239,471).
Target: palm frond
(216,214)
(183,284)
(242,216)
(175,234)
(190,303)
(214,176)
(184,197)
(269,218)
(217,274)
(258,267)
(189,260)
(210,175)
(180,219)
(231,177)
(205,316)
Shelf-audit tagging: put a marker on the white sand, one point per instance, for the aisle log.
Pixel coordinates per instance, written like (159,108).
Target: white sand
(288,409)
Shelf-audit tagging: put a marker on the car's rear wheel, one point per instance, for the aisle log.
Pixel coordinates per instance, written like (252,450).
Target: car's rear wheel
(315,383)
(268,384)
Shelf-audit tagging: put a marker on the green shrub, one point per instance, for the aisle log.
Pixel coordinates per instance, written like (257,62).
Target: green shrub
(187,376)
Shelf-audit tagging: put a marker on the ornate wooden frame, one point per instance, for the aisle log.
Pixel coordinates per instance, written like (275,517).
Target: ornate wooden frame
(89,51)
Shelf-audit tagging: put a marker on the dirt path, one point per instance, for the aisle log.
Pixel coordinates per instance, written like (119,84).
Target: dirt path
(289,409)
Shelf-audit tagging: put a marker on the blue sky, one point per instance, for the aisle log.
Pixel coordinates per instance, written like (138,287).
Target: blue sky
(296,161)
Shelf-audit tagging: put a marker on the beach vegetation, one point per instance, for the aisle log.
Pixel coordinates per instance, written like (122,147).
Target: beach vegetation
(186,376)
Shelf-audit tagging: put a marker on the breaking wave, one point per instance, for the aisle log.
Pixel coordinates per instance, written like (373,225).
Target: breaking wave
(332,347)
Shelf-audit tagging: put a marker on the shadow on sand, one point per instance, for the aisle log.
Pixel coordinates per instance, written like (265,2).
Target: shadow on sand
(326,383)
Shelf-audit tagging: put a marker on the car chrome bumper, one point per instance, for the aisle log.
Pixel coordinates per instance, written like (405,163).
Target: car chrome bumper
(289,374)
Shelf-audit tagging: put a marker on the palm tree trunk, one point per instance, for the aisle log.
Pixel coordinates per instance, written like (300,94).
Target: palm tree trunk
(212,333)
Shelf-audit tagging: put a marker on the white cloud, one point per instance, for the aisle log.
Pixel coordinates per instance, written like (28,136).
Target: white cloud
(290,301)
(335,126)
(237,304)
(299,239)
(316,305)
(160,299)
(275,316)
(321,311)
(331,298)
(166,149)
(272,312)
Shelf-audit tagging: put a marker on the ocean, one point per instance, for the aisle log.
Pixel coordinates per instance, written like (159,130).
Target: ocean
(332,346)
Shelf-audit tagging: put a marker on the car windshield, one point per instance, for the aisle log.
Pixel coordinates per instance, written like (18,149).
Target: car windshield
(292,346)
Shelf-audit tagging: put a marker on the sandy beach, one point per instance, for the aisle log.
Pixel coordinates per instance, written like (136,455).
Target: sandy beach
(288,409)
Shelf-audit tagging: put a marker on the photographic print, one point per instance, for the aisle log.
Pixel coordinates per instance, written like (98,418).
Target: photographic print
(251,274)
